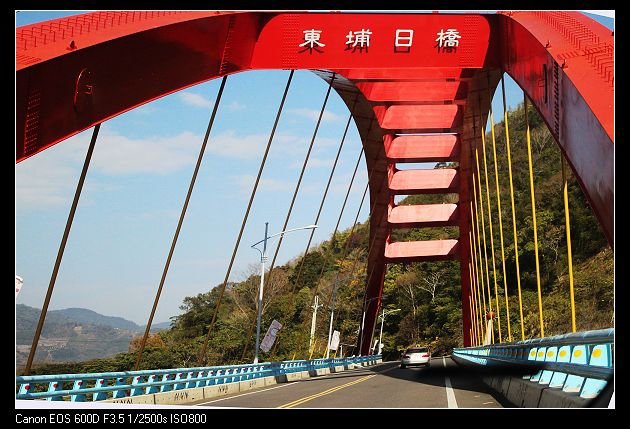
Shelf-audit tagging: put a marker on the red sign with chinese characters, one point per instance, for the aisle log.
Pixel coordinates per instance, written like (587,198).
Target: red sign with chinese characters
(370,40)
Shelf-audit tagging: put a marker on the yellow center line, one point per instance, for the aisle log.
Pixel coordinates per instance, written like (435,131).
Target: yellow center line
(326,392)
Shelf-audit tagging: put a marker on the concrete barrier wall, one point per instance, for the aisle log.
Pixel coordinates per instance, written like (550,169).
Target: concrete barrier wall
(140,399)
(523,393)
(179,396)
(220,390)
(184,396)
(294,376)
(322,371)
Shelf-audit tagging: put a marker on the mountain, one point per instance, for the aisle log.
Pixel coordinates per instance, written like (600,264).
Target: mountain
(156,326)
(83,315)
(74,334)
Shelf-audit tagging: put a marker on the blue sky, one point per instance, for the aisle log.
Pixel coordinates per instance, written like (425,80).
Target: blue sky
(139,176)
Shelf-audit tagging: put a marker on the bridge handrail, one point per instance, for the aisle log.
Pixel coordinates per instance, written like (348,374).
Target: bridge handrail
(97,375)
(579,362)
(183,378)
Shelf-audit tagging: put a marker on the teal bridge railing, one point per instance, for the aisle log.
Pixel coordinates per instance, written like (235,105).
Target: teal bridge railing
(581,362)
(114,385)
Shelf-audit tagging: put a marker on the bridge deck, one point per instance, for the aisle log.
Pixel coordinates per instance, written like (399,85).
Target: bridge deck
(381,386)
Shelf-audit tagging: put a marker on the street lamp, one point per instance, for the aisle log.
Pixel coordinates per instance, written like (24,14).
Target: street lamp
(380,339)
(263,259)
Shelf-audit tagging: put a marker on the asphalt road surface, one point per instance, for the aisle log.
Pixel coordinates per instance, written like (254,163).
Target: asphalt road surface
(443,384)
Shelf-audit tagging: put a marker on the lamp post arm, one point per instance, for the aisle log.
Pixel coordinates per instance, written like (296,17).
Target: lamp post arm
(284,232)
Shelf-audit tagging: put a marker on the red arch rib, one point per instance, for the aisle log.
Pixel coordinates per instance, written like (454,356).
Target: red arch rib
(73,73)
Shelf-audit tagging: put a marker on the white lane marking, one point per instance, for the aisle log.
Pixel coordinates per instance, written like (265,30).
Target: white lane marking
(450,394)
(486,403)
(245,394)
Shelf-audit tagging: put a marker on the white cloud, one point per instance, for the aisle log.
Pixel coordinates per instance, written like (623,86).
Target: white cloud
(50,187)
(49,178)
(193,99)
(116,154)
(246,182)
(314,163)
(230,144)
(314,114)
(235,106)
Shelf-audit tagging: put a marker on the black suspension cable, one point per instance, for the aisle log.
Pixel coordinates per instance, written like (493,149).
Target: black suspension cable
(321,206)
(179,224)
(297,188)
(202,354)
(367,262)
(370,247)
(332,240)
(62,247)
(333,293)
(345,244)
(345,250)
(343,207)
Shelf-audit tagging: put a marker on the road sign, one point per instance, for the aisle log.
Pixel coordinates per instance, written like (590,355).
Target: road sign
(18,284)
(270,336)
(334,342)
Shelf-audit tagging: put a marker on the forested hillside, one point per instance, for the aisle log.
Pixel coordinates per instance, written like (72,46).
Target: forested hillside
(428,294)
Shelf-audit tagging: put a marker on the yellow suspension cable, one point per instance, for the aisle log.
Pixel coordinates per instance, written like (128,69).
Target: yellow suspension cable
(531,189)
(496,176)
(473,298)
(509,158)
(479,275)
(480,315)
(569,253)
(483,234)
(470,330)
(474,295)
(494,271)
(478,256)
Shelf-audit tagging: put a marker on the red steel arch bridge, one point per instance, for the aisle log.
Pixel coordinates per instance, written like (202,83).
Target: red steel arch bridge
(418,86)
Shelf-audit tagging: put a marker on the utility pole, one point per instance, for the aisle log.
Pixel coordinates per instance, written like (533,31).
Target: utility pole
(332,315)
(380,338)
(314,321)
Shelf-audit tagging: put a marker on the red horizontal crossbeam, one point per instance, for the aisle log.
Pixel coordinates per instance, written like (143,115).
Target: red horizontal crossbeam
(426,215)
(427,148)
(421,251)
(424,91)
(421,117)
(434,181)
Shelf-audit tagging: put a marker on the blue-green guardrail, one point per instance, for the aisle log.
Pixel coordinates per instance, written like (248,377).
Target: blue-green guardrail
(108,385)
(580,362)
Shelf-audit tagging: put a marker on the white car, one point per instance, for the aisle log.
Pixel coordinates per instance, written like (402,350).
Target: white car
(415,356)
